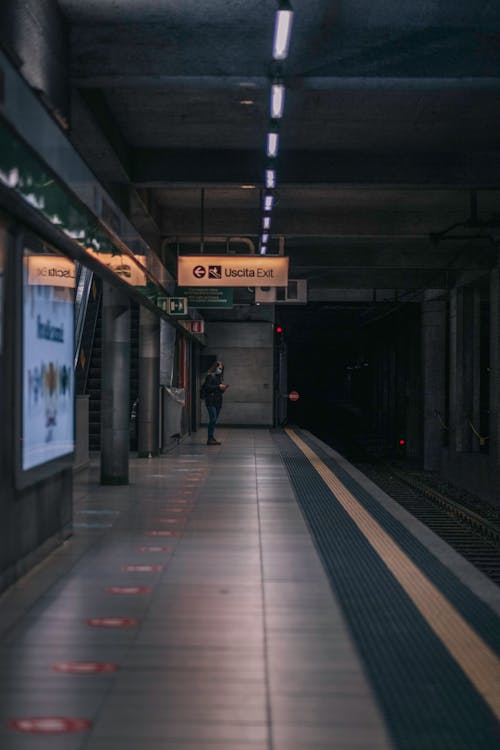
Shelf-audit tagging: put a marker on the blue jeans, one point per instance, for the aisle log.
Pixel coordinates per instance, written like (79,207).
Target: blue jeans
(213,413)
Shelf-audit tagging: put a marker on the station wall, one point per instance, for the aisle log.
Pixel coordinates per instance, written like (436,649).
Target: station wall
(246,348)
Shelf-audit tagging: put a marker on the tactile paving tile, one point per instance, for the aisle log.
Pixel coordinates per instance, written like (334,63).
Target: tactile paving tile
(428,702)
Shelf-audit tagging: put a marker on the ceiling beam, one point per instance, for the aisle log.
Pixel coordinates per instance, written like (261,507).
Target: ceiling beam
(294,218)
(164,167)
(396,257)
(141,79)
(376,279)
(97,105)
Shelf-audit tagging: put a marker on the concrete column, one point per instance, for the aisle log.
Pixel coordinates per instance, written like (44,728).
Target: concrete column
(463,434)
(413,400)
(475,401)
(433,376)
(467,368)
(115,384)
(453,365)
(148,442)
(494,443)
(463,373)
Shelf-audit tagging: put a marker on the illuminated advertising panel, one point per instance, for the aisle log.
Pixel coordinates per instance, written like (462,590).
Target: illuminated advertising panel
(123,265)
(47,371)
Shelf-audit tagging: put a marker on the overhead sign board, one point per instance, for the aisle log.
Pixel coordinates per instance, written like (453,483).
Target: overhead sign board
(207,296)
(232,270)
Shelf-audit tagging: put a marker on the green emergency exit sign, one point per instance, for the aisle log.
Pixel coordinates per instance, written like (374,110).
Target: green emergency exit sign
(173,305)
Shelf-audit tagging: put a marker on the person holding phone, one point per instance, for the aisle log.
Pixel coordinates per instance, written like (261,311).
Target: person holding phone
(213,389)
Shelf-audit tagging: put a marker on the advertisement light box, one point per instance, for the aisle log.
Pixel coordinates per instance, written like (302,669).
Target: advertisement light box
(47,368)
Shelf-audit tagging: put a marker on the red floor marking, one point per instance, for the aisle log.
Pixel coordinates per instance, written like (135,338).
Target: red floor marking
(162,533)
(128,590)
(49,725)
(176,510)
(143,568)
(112,622)
(153,549)
(84,667)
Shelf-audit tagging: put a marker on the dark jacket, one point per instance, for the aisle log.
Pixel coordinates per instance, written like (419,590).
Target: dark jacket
(213,392)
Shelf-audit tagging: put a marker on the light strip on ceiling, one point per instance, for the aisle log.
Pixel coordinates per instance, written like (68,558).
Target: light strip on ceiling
(282,30)
(270,178)
(277,100)
(268,202)
(272,144)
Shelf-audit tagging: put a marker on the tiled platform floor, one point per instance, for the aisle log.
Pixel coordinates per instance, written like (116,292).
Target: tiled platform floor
(234,640)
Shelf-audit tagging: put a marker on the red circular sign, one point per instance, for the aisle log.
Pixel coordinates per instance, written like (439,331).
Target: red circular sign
(112,622)
(128,590)
(49,725)
(84,667)
(293,396)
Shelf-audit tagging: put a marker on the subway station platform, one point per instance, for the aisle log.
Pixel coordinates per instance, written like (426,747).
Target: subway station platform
(258,595)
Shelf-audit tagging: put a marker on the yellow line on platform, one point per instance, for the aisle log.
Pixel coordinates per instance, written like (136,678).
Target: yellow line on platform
(474,656)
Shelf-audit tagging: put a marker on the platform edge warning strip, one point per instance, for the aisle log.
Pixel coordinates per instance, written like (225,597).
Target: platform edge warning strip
(475,658)
(473,608)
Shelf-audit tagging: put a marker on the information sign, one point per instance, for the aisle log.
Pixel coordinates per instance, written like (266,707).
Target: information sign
(232,270)
(206,296)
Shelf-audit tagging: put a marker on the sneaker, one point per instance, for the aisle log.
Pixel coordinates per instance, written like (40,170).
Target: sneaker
(213,441)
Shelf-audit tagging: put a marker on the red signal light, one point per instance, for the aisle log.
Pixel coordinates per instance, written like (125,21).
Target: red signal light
(402,441)
(279,329)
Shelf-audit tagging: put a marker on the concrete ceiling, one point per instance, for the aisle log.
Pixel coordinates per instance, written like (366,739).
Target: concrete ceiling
(391,130)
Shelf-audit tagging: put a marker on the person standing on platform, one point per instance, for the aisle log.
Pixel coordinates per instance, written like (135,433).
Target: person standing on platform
(213,389)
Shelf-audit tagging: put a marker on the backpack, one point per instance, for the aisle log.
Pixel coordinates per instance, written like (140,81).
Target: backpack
(203,389)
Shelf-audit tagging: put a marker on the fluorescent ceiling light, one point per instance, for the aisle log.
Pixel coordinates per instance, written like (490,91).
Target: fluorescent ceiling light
(270,178)
(277,100)
(268,202)
(265,238)
(282,31)
(266,222)
(272,144)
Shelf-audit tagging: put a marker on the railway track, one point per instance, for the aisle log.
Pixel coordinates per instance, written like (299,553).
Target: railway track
(471,534)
